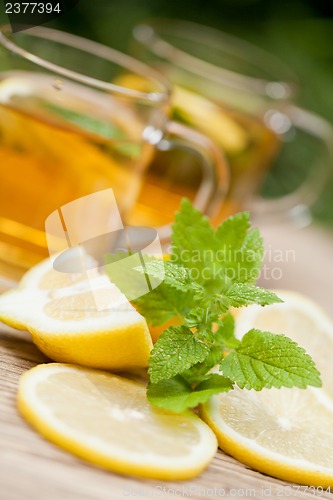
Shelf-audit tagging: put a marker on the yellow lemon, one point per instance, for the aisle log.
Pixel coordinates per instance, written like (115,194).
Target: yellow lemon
(108,421)
(199,112)
(210,119)
(286,433)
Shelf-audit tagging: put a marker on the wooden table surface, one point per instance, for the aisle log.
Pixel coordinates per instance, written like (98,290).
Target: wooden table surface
(31,468)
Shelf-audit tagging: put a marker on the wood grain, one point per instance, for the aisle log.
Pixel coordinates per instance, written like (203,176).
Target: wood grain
(31,468)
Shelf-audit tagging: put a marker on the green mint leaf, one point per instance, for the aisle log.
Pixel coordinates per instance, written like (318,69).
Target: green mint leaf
(201,317)
(231,233)
(121,271)
(110,258)
(253,254)
(92,124)
(243,294)
(177,395)
(195,317)
(221,303)
(193,242)
(130,149)
(163,303)
(264,359)
(176,350)
(240,251)
(173,275)
(118,138)
(199,372)
(214,358)
(225,334)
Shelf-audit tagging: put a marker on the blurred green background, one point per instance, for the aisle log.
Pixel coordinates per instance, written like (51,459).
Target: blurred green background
(298,31)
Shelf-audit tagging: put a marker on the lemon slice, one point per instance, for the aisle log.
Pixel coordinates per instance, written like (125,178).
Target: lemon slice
(60,312)
(286,433)
(210,118)
(107,420)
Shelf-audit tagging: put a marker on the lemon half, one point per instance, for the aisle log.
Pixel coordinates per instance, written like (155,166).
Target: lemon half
(60,312)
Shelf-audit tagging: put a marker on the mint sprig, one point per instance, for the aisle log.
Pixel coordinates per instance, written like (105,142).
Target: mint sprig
(208,273)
